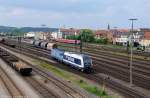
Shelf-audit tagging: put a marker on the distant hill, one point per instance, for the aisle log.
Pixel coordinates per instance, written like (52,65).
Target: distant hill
(38,29)
(6,29)
(27,29)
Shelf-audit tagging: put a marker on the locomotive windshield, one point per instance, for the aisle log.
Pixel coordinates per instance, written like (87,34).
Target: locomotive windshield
(87,61)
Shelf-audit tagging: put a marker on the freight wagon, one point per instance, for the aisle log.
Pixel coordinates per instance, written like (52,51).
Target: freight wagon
(44,45)
(5,42)
(15,63)
(22,68)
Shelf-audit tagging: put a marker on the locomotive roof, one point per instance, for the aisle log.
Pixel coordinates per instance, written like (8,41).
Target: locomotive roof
(77,54)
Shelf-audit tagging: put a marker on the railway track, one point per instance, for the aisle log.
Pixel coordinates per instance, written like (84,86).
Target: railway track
(42,90)
(101,50)
(69,91)
(105,48)
(118,65)
(125,90)
(9,84)
(123,60)
(141,66)
(96,80)
(45,92)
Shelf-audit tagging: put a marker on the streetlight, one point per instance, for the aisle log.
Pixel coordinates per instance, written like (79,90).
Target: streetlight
(43,25)
(131,58)
(81,43)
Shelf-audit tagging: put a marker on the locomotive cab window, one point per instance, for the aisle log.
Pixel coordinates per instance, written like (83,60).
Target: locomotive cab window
(87,61)
(61,54)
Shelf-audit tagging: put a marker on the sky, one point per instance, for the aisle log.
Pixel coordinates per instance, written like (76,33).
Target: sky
(95,14)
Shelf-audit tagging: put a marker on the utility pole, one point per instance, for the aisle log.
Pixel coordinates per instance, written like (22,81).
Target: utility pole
(81,44)
(131,56)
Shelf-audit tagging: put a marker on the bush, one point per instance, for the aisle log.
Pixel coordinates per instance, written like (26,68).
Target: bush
(102,41)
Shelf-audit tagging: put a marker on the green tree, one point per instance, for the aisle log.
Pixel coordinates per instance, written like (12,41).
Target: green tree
(86,35)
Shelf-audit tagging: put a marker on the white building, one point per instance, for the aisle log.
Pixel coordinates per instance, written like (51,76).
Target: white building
(30,34)
(123,38)
(40,36)
(56,35)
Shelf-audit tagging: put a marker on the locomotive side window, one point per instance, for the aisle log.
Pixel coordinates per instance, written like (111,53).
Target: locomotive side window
(72,59)
(69,58)
(78,61)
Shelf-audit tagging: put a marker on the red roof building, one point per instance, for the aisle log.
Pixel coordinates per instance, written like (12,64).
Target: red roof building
(69,32)
(147,35)
(104,34)
(101,33)
(145,41)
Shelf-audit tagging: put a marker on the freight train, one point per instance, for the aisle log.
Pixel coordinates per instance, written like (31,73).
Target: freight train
(44,44)
(81,62)
(15,63)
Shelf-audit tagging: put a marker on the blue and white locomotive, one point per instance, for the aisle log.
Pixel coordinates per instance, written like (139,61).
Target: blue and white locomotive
(79,61)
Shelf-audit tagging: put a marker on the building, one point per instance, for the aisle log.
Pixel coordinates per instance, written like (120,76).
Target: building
(144,29)
(42,33)
(40,36)
(30,35)
(115,36)
(101,34)
(104,34)
(145,41)
(57,34)
(121,38)
(69,32)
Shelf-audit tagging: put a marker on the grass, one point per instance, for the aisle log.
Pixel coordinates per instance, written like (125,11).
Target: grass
(92,89)
(77,80)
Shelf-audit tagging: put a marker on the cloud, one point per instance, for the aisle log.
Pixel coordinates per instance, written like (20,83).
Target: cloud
(76,13)
(18,12)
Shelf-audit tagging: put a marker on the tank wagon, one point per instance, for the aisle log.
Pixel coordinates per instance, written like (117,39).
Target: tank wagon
(37,43)
(79,61)
(44,45)
(51,46)
(15,63)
